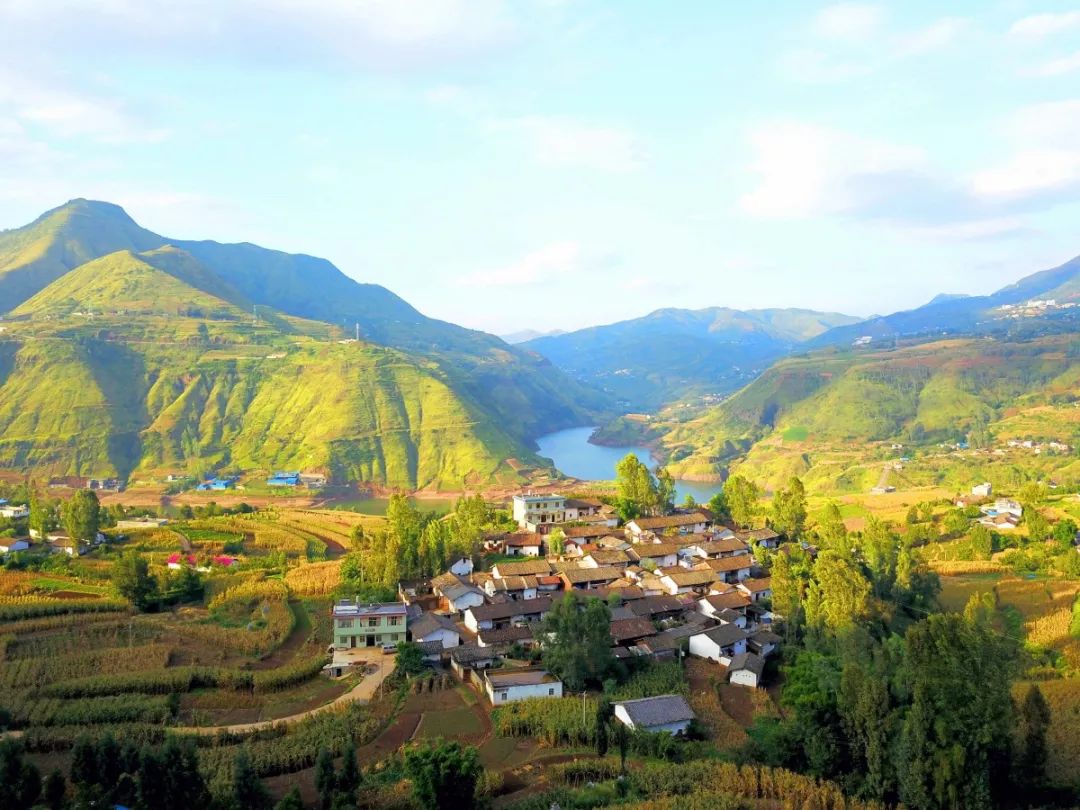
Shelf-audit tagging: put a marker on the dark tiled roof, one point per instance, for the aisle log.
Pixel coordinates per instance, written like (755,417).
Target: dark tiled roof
(508,610)
(657,711)
(523,568)
(750,661)
(669,522)
(627,629)
(430,623)
(470,653)
(725,634)
(652,605)
(605,573)
(505,635)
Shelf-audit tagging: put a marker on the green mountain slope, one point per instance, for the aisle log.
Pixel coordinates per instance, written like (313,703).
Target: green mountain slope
(918,395)
(674,353)
(127,352)
(126,282)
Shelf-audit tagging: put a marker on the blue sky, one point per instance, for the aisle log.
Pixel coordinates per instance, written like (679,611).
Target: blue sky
(561,163)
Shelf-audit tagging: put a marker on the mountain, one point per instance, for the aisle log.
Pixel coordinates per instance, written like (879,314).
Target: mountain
(674,353)
(125,351)
(525,335)
(827,415)
(977,314)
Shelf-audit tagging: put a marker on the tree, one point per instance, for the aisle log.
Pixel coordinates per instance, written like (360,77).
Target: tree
(325,777)
(443,774)
(622,739)
(665,490)
(556,543)
(789,509)
(637,490)
(718,506)
(20,782)
(248,791)
(188,585)
(879,548)
(42,518)
(409,658)
(604,713)
(84,764)
(912,516)
(982,543)
(82,516)
(956,522)
(839,596)
(831,531)
(1034,721)
(54,791)
(741,497)
(1065,533)
(579,649)
(1038,527)
(291,801)
(955,740)
(349,778)
(132,580)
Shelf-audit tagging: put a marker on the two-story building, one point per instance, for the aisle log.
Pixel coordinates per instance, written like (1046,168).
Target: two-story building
(368,625)
(536,512)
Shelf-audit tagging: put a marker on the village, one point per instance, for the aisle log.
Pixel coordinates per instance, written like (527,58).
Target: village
(676,585)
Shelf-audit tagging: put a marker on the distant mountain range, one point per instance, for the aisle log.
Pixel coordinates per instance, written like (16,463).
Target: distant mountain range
(674,353)
(526,335)
(975,314)
(124,351)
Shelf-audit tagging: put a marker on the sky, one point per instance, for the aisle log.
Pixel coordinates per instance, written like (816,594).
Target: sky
(555,164)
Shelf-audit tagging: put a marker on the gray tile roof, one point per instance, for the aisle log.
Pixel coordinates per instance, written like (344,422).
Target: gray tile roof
(657,711)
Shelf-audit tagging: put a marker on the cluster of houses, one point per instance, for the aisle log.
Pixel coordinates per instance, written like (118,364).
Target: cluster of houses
(1002,514)
(674,585)
(295,480)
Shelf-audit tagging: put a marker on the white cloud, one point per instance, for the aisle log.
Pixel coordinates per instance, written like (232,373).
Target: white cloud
(937,35)
(1037,26)
(848,21)
(566,142)
(1056,67)
(555,259)
(804,170)
(1045,159)
(380,33)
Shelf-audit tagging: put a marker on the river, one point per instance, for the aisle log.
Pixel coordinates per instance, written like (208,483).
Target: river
(574,455)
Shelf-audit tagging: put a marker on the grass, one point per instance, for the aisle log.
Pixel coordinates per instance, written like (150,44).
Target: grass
(795,433)
(449,723)
(53,584)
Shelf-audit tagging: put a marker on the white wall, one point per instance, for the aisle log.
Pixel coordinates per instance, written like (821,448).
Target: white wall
(449,638)
(744,677)
(514,693)
(672,728)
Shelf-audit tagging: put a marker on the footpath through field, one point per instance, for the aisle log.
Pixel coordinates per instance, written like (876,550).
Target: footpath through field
(363,692)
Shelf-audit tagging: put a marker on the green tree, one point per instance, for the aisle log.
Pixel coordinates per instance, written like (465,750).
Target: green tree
(579,645)
(879,548)
(637,489)
(349,778)
(132,579)
(443,775)
(54,790)
(409,659)
(84,764)
(839,595)
(718,506)
(325,778)
(1034,720)
(42,519)
(556,543)
(20,782)
(956,522)
(788,509)
(831,531)
(912,516)
(982,543)
(665,490)
(1065,534)
(741,497)
(955,739)
(291,801)
(82,516)
(1038,528)
(248,791)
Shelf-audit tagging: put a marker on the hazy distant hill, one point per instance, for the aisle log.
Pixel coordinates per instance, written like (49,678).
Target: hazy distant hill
(977,314)
(124,350)
(915,395)
(526,335)
(672,353)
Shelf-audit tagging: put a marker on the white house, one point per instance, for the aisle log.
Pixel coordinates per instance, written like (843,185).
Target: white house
(745,669)
(514,587)
(718,606)
(9,544)
(538,510)
(693,523)
(15,512)
(686,581)
(522,544)
(670,713)
(455,595)
(983,490)
(661,555)
(728,569)
(462,567)
(509,685)
(756,589)
(435,627)
(505,614)
(1004,506)
(720,643)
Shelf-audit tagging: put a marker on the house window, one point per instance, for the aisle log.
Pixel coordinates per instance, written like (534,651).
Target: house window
(502,695)
(395,621)
(551,692)
(372,622)
(344,623)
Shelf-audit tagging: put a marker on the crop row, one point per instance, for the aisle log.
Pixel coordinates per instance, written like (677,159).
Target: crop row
(28,709)
(107,661)
(46,623)
(274,680)
(128,631)
(155,682)
(314,579)
(14,608)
